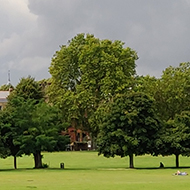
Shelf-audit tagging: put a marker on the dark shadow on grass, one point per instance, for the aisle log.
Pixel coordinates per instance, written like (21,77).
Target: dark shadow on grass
(19,169)
(119,168)
(123,168)
(154,168)
(90,169)
(44,169)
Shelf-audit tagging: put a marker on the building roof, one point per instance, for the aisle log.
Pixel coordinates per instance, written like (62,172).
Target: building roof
(4,95)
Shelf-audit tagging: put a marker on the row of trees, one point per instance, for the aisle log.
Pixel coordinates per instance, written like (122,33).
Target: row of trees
(94,87)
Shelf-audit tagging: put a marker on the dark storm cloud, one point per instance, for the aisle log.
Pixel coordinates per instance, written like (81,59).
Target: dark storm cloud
(33,30)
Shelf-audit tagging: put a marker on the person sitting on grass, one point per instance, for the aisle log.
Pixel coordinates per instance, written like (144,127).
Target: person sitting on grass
(161,165)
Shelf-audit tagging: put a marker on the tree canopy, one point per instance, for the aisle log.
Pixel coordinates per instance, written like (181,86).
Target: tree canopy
(172,91)
(94,87)
(28,88)
(128,125)
(31,125)
(87,71)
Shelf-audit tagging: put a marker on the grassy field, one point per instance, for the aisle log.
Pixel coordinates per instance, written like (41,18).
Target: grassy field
(87,170)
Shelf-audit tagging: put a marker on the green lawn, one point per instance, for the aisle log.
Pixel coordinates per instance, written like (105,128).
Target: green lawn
(86,170)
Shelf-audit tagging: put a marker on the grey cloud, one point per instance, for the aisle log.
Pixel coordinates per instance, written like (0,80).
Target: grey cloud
(32,30)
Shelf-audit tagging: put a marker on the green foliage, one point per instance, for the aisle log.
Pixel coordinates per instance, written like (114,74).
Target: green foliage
(30,125)
(171,94)
(128,125)
(28,88)
(146,84)
(173,90)
(176,136)
(43,131)
(6,87)
(87,71)
(38,126)
(7,133)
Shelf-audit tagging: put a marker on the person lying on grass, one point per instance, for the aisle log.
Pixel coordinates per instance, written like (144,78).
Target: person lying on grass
(181,173)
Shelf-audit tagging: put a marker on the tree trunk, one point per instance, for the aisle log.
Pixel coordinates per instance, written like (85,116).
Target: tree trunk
(93,142)
(177,160)
(38,160)
(15,163)
(131,163)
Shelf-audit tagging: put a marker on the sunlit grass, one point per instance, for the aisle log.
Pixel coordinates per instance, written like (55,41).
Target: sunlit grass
(87,170)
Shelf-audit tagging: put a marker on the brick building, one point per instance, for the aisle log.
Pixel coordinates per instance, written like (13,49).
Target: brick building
(80,140)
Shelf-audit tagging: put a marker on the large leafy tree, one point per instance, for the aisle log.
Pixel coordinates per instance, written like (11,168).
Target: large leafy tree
(171,93)
(34,126)
(128,126)
(26,90)
(40,129)
(176,136)
(87,71)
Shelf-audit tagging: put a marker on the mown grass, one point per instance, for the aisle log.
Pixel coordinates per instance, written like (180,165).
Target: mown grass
(87,170)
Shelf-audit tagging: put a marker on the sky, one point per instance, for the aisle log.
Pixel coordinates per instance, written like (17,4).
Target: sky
(32,31)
